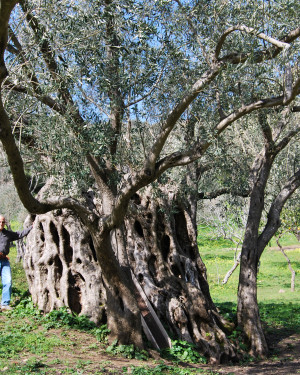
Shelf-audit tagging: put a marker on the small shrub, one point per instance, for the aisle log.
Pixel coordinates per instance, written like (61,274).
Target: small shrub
(166,369)
(26,308)
(101,333)
(184,352)
(127,351)
(63,318)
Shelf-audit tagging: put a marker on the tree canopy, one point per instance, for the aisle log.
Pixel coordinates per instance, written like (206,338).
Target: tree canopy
(112,80)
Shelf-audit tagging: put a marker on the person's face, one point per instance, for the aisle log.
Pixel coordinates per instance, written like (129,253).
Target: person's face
(2,223)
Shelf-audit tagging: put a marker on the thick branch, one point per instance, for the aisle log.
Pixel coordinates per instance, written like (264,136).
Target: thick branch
(6,7)
(266,129)
(100,177)
(175,114)
(285,141)
(17,169)
(273,222)
(263,103)
(249,30)
(181,158)
(258,56)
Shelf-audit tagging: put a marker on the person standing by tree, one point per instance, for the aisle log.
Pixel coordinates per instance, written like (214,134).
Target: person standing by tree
(6,237)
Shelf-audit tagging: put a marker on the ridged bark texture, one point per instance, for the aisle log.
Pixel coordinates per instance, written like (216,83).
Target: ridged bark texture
(61,266)
(162,252)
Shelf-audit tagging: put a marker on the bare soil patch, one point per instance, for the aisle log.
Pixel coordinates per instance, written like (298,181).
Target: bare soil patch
(80,351)
(284,358)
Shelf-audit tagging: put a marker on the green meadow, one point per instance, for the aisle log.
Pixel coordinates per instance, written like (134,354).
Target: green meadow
(31,342)
(279,306)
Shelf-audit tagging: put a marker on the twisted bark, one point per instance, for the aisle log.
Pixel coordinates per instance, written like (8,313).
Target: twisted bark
(62,268)
(158,245)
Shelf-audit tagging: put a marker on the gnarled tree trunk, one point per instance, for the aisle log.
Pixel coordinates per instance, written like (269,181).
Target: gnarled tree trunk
(164,257)
(61,266)
(247,309)
(255,239)
(161,251)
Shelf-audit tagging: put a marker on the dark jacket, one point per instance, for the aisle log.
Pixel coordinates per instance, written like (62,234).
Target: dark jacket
(6,236)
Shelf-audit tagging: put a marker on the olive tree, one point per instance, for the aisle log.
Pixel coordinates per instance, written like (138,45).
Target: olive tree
(277,135)
(107,85)
(271,176)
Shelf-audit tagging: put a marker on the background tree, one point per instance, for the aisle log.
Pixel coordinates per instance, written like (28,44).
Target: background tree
(265,179)
(112,104)
(277,134)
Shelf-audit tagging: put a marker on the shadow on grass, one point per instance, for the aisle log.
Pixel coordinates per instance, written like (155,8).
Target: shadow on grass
(279,318)
(213,256)
(228,310)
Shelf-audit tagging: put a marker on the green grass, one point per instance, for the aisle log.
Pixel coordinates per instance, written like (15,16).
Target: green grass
(286,240)
(25,341)
(28,337)
(208,241)
(274,277)
(279,306)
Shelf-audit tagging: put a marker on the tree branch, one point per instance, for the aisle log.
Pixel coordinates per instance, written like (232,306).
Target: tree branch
(181,158)
(249,30)
(266,129)
(100,177)
(47,100)
(232,269)
(13,155)
(17,169)
(18,51)
(273,222)
(5,11)
(285,141)
(113,66)
(259,56)
(263,103)
(175,114)
(49,57)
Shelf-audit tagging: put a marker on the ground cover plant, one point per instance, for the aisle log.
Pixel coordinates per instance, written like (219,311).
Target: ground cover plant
(60,343)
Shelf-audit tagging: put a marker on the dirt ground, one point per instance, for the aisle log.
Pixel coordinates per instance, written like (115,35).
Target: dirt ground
(87,357)
(284,358)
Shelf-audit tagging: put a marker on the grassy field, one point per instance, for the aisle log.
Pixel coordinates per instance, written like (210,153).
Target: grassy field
(31,343)
(279,306)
